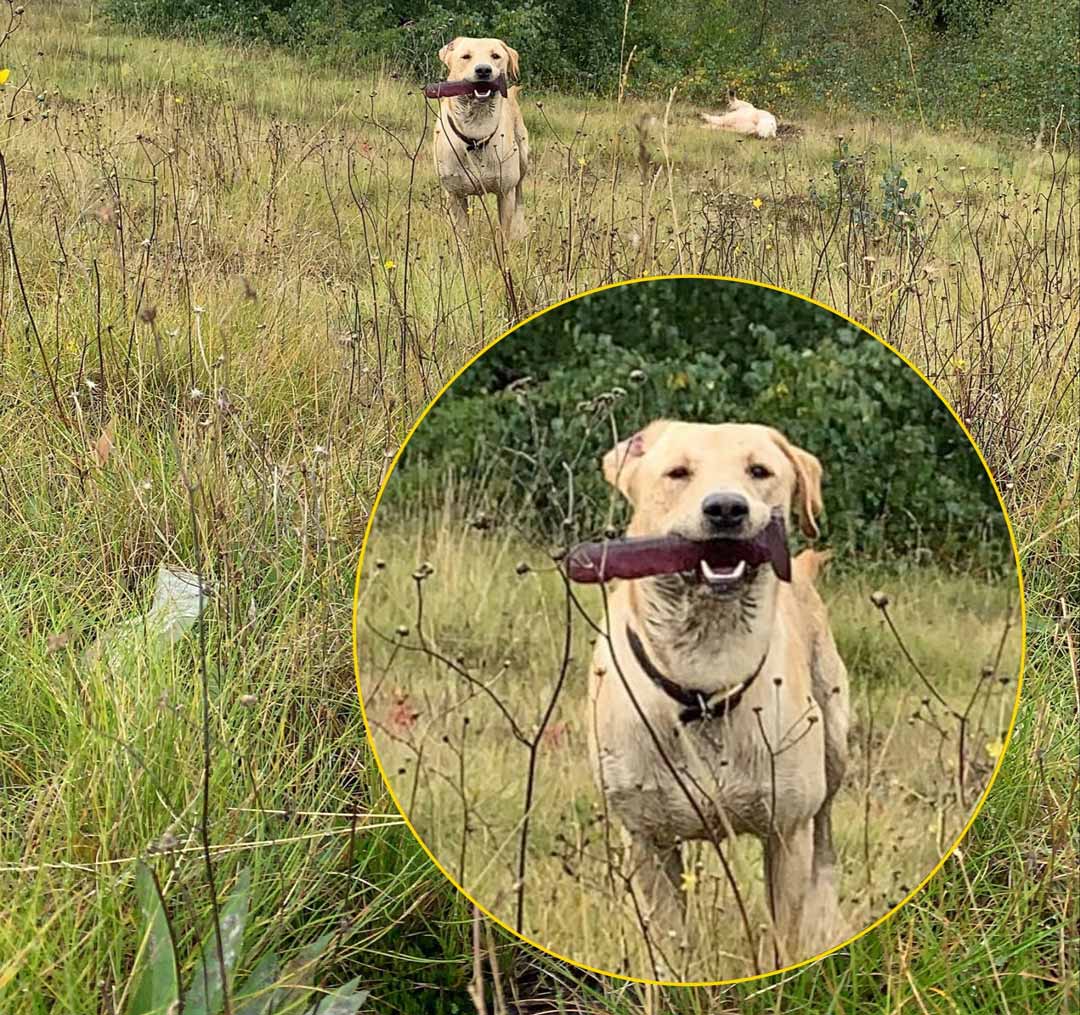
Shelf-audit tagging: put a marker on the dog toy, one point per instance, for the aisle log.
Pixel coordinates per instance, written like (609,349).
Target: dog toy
(643,556)
(450,89)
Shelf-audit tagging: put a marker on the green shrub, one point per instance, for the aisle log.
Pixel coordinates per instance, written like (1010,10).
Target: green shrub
(901,477)
(1005,64)
(1018,74)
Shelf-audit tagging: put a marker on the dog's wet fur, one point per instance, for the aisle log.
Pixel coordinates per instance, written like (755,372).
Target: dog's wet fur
(481,144)
(786,740)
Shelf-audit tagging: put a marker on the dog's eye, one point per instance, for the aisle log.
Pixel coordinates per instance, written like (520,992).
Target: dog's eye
(679,472)
(495,56)
(466,56)
(759,471)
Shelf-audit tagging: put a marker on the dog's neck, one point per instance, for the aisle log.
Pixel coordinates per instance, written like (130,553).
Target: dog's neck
(705,642)
(476,118)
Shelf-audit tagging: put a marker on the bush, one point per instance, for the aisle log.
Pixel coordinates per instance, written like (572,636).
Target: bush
(1007,64)
(901,476)
(569,45)
(1019,74)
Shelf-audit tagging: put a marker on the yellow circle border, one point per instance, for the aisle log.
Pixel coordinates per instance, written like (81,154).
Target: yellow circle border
(1019,677)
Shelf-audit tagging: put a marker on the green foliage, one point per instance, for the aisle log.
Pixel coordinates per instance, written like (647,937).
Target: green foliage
(901,476)
(1018,73)
(568,45)
(1006,64)
(900,206)
(220,951)
(157,979)
(269,988)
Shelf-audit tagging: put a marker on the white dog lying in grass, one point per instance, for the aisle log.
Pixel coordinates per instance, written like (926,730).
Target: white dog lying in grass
(743,118)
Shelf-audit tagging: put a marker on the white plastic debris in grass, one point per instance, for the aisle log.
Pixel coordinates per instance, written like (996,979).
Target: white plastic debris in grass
(178,601)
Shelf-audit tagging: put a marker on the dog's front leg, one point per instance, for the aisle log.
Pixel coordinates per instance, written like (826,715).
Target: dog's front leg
(517,226)
(789,870)
(459,212)
(508,214)
(656,875)
(823,925)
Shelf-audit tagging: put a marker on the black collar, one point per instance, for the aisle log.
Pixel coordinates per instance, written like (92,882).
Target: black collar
(696,704)
(472,144)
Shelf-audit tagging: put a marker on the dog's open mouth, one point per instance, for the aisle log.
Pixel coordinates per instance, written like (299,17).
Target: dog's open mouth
(477,89)
(722,564)
(721,579)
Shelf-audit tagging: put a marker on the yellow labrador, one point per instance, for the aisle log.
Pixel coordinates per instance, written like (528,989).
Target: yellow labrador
(743,118)
(481,145)
(725,708)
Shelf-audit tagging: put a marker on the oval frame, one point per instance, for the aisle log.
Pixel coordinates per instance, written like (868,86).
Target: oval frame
(977,808)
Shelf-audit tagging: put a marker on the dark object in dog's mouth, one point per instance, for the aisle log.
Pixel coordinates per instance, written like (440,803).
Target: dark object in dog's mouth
(720,563)
(477,89)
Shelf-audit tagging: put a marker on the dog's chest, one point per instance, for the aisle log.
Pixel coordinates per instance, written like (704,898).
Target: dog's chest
(705,787)
(734,773)
(491,167)
(476,152)
(725,779)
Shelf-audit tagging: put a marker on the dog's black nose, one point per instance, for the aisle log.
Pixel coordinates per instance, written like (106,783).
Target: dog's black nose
(482,71)
(725,510)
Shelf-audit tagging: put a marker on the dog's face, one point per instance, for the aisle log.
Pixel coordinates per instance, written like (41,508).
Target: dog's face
(703,481)
(479,60)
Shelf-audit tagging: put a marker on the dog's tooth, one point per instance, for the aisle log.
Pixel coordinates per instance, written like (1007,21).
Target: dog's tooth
(718,576)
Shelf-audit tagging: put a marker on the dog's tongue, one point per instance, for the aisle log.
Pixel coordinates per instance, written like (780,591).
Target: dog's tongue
(643,557)
(450,89)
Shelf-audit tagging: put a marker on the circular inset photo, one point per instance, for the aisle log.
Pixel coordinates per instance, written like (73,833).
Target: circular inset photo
(689,630)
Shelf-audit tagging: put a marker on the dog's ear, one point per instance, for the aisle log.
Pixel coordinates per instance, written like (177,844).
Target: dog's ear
(511,62)
(808,504)
(444,53)
(622,461)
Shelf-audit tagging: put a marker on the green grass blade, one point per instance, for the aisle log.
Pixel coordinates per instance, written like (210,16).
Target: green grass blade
(156,977)
(208,983)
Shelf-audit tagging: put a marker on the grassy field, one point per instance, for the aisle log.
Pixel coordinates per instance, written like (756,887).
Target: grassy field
(227,288)
(483,641)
